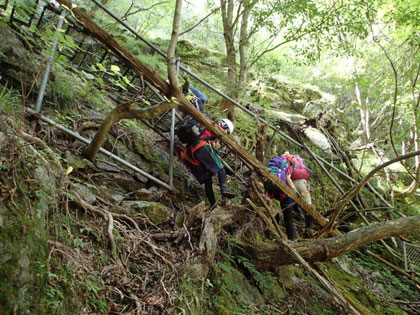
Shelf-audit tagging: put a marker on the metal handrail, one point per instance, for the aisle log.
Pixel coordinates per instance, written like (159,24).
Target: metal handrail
(106,152)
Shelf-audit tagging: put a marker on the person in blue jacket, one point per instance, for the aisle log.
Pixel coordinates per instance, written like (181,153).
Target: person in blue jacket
(194,95)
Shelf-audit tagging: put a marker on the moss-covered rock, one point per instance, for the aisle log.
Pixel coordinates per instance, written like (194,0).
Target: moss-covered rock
(155,211)
(15,62)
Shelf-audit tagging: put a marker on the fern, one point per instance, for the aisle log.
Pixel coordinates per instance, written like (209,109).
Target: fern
(264,280)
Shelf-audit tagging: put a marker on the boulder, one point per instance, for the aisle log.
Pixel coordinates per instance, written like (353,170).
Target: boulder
(155,211)
(152,194)
(318,139)
(86,194)
(127,182)
(14,61)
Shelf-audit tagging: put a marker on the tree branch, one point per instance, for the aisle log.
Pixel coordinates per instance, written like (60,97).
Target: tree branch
(345,199)
(199,22)
(127,14)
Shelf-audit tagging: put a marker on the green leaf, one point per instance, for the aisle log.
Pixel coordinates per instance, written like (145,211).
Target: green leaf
(208,283)
(101,67)
(100,81)
(115,69)
(174,100)
(88,76)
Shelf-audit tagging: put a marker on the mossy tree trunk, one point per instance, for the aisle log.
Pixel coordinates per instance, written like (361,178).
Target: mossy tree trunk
(260,142)
(229,26)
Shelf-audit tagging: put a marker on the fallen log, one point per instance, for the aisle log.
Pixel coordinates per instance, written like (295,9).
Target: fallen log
(271,254)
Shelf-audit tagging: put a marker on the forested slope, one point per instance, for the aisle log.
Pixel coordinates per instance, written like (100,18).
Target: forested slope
(86,236)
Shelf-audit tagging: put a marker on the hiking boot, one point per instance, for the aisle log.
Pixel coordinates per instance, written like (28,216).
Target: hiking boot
(227,194)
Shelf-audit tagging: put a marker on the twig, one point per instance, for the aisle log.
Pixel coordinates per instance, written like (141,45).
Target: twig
(164,288)
(137,301)
(44,146)
(404,302)
(199,22)
(189,236)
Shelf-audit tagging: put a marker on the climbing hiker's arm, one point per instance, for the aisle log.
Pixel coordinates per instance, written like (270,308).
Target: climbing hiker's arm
(199,94)
(291,185)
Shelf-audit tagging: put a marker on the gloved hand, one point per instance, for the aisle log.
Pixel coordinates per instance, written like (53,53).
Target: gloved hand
(298,193)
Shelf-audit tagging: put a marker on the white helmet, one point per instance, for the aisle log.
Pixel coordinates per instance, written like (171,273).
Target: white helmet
(226,124)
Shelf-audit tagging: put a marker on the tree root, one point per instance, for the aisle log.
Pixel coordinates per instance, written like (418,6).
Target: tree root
(111,239)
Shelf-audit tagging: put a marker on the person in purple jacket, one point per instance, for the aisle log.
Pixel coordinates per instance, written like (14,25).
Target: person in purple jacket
(280,167)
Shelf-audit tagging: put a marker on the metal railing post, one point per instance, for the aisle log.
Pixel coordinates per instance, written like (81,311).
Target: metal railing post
(405,256)
(49,62)
(172,137)
(214,89)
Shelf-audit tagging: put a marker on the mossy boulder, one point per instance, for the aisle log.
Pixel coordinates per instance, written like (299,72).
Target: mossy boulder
(155,211)
(274,94)
(15,63)
(188,51)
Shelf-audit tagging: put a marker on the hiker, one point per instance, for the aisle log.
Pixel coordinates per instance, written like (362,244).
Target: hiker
(300,177)
(202,159)
(199,154)
(194,95)
(280,166)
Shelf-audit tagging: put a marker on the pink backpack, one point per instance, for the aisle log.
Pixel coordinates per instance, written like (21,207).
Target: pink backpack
(300,171)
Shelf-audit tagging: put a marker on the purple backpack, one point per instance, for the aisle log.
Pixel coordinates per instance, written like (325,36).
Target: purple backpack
(278,166)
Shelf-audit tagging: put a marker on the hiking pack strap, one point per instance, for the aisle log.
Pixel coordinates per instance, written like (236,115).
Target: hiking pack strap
(188,152)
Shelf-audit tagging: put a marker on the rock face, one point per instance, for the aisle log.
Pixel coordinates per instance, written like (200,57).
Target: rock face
(279,96)
(14,62)
(282,102)
(152,194)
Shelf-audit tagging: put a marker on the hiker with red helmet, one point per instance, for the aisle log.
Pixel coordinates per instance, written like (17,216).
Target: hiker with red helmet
(280,166)
(300,174)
